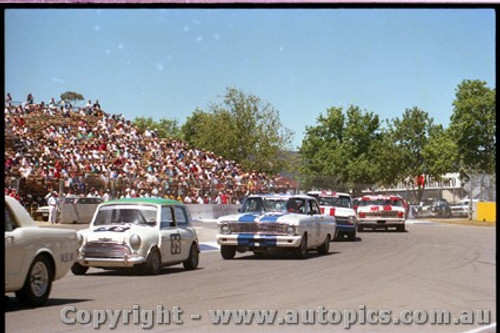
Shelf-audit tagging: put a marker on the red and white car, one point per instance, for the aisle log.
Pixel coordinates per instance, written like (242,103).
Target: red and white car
(381,211)
(340,205)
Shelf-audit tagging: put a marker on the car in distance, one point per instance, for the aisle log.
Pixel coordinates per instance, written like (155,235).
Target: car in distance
(41,213)
(34,256)
(141,233)
(381,212)
(340,205)
(297,226)
(462,208)
(434,208)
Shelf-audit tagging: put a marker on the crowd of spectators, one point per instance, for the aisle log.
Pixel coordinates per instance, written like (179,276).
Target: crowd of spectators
(91,152)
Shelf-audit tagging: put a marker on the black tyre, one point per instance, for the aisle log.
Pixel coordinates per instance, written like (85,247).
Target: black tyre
(194,257)
(401,228)
(325,247)
(153,264)
(228,252)
(360,228)
(352,235)
(302,252)
(78,269)
(38,283)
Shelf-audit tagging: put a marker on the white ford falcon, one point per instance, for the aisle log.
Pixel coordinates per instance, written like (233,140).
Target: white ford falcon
(381,211)
(276,222)
(34,256)
(143,233)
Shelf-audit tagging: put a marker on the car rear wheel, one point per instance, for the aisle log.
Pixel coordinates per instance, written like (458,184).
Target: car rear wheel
(401,228)
(38,283)
(228,252)
(352,235)
(325,247)
(78,269)
(192,262)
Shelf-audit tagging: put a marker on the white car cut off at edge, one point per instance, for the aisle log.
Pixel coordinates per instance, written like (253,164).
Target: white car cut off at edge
(34,256)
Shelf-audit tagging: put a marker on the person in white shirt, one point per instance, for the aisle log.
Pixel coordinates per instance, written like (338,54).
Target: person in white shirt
(53,203)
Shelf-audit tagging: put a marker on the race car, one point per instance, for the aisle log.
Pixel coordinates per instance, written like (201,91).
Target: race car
(296,225)
(340,205)
(381,212)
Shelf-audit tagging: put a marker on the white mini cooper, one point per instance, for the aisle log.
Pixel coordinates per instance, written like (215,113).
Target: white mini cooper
(143,233)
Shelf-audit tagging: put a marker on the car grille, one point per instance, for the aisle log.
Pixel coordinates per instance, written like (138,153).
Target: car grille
(383,213)
(105,250)
(341,219)
(253,227)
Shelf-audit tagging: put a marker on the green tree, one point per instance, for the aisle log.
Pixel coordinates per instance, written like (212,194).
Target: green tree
(473,126)
(440,153)
(337,153)
(410,134)
(72,97)
(165,128)
(243,128)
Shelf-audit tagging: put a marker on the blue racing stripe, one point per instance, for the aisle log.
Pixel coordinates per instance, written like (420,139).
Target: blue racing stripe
(271,218)
(262,241)
(248,217)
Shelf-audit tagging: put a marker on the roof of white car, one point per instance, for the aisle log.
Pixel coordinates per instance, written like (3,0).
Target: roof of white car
(328,193)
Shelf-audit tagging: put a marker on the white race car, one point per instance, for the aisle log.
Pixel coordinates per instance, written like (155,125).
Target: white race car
(295,223)
(145,233)
(34,256)
(340,205)
(381,211)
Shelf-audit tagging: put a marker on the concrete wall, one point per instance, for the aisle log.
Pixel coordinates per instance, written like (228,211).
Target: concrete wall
(211,211)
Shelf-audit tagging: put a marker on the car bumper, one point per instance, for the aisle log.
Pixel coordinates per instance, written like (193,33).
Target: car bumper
(346,227)
(380,222)
(111,262)
(253,240)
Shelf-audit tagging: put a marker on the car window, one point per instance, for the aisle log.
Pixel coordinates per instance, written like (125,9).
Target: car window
(340,201)
(314,209)
(180,216)
(252,205)
(167,219)
(125,214)
(10,223)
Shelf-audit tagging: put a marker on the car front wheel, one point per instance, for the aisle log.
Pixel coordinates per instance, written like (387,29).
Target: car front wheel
(38,283)
(78,269)
(228,252)
(302,251)
(152,265)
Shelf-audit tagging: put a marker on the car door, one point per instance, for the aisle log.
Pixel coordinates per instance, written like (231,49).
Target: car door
(16,249)
(316,219)
(170,239)
(185,230)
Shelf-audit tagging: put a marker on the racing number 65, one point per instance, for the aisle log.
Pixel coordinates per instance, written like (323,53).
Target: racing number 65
(175,241)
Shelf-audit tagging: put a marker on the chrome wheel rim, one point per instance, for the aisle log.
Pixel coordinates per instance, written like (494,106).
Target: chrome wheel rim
(39,279)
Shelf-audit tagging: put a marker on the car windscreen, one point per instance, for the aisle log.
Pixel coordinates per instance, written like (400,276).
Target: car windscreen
(381,202)
(126,214)
(263,204)
(335,201)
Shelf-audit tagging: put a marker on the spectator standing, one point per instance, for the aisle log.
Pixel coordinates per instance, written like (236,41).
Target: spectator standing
(53,203)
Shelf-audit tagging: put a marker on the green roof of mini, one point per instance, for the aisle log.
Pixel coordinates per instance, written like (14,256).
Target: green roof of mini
(153,201)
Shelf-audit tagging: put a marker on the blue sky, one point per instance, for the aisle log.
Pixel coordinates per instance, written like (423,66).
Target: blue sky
(165,63)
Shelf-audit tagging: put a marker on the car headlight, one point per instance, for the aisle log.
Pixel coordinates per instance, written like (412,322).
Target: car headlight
(351,220)
(290,230)
(135,241)
(224,229)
